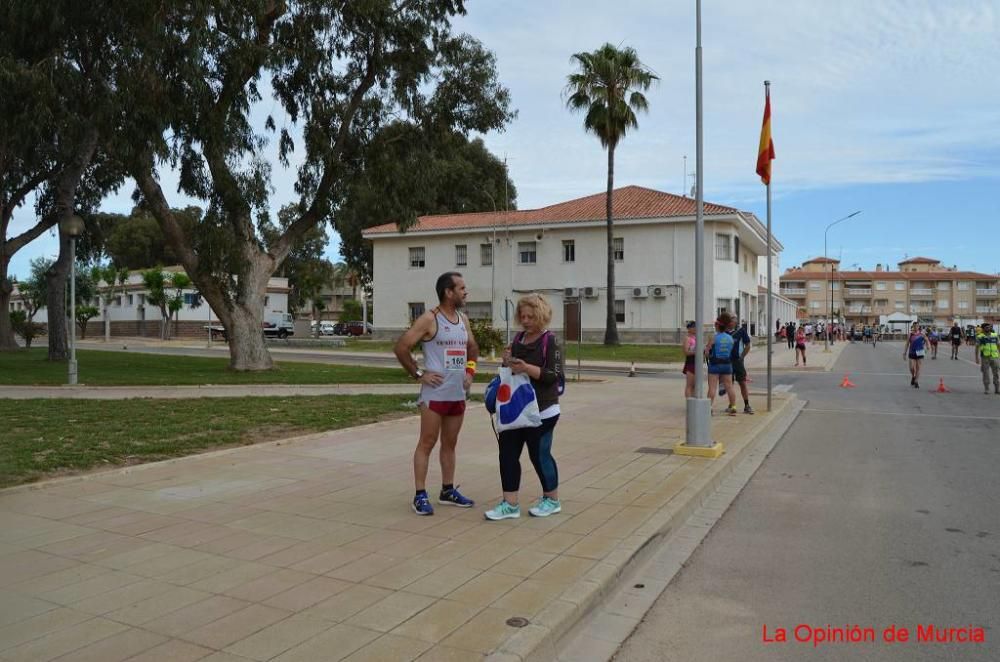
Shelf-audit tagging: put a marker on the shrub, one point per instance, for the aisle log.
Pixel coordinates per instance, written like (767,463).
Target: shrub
(351,311)
(488,338)
(22,327)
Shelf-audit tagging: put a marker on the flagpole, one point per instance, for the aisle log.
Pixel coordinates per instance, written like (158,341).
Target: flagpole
(770,301)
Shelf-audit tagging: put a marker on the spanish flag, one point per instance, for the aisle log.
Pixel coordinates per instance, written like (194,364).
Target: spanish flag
(765,153)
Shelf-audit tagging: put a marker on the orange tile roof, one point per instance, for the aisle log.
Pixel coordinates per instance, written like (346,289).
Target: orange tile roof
(629,202)
(822,260)
(920,260)
(888,275)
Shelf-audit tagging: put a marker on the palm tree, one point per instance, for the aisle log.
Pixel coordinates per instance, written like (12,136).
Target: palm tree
(609,86)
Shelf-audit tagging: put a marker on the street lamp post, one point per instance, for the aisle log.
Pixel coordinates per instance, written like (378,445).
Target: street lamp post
(829,284)
(72,226)
(698,413)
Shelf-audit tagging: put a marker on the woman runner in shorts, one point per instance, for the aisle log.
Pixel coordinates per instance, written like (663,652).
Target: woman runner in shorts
(689,347)
(800,345)
(916,348)
(934,337)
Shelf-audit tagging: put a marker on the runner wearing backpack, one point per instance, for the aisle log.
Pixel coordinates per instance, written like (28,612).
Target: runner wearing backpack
(719,353)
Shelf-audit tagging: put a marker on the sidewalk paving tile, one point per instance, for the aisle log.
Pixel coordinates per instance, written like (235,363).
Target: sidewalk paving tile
(181,621)
(116,648)
(391,611)
(238,625)
(307,549)
(56,644)
(335,644)
(278,638)
(390,648)
(173,650)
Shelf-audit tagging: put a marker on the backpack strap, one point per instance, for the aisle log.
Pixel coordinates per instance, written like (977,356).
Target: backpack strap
(519,338)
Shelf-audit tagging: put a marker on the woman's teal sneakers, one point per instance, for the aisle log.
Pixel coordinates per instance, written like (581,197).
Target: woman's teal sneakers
(503,510)
(545,507)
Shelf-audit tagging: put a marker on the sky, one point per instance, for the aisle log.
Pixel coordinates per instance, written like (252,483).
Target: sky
(891,108)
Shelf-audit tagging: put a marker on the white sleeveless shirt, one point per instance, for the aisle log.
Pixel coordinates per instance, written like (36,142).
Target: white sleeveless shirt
(445,353)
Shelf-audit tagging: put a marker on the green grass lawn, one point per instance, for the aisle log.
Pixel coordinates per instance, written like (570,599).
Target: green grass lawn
(43,438)
(100,368)
(591,351)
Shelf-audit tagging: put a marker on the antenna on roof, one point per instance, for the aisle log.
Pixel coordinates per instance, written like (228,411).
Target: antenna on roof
(684,181)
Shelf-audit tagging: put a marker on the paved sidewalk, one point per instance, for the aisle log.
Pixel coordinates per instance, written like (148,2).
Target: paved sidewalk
(307,549)
(783,359)
(82,392)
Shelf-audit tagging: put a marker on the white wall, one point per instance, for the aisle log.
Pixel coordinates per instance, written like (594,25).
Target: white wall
(657,252)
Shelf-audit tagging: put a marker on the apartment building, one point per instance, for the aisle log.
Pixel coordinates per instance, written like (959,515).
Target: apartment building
(920,288)
(561,250)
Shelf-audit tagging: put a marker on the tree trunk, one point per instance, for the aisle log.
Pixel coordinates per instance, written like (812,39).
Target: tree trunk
(611,327)
(56,278)
(247,349)
(7,341)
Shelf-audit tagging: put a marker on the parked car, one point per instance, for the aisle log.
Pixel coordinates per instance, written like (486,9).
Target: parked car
(340,329)
(358,328)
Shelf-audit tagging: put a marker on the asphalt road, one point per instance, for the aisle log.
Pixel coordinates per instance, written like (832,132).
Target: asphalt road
(880,506)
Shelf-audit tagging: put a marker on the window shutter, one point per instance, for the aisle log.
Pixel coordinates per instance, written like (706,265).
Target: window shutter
(736,248)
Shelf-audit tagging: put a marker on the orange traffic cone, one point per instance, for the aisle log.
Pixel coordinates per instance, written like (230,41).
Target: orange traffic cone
(847,383)
(941,388)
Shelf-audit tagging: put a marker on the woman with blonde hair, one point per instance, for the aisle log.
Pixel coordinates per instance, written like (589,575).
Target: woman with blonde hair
(535,353)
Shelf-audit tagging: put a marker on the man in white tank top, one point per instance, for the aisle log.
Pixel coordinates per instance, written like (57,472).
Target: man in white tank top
(450,355)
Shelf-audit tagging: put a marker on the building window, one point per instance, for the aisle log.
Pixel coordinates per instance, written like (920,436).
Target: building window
(900,305)
(881,303)
(880,285)
(267,301)
(815,285)
(944,285)
(814,305)
(479,310)
(942,303)
(835,286)
(900,285)
(131,300)
(194,299)
(569,250)
(486,255)
(963,305)
(963,285)
(722,305)
(417,257)
(461,255)
(618,248)
(527,252)
(722,251)
(620,311)
(416,309)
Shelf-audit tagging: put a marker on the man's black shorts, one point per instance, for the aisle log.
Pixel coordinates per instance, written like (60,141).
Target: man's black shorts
(739,371)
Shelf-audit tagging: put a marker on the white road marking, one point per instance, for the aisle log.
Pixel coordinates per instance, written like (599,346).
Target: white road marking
(904,415)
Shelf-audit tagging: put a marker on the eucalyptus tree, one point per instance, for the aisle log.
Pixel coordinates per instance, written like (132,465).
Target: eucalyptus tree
(60,61)
(608,86)
(319,77)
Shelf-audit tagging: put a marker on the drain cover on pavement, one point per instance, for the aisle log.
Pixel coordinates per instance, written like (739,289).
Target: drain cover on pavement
(517,621)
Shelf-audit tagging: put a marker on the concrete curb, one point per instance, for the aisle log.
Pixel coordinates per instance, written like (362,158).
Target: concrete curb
(537,642)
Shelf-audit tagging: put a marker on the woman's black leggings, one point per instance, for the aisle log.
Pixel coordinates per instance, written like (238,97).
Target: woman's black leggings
(539,441)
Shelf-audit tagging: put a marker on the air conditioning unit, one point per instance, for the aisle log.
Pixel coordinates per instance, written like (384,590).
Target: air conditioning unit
(658,291)
(571,293)
(639,293)
(590,293)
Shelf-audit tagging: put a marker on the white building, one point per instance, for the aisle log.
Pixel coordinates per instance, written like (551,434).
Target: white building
(130,314)
(783,309)
(560,250)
